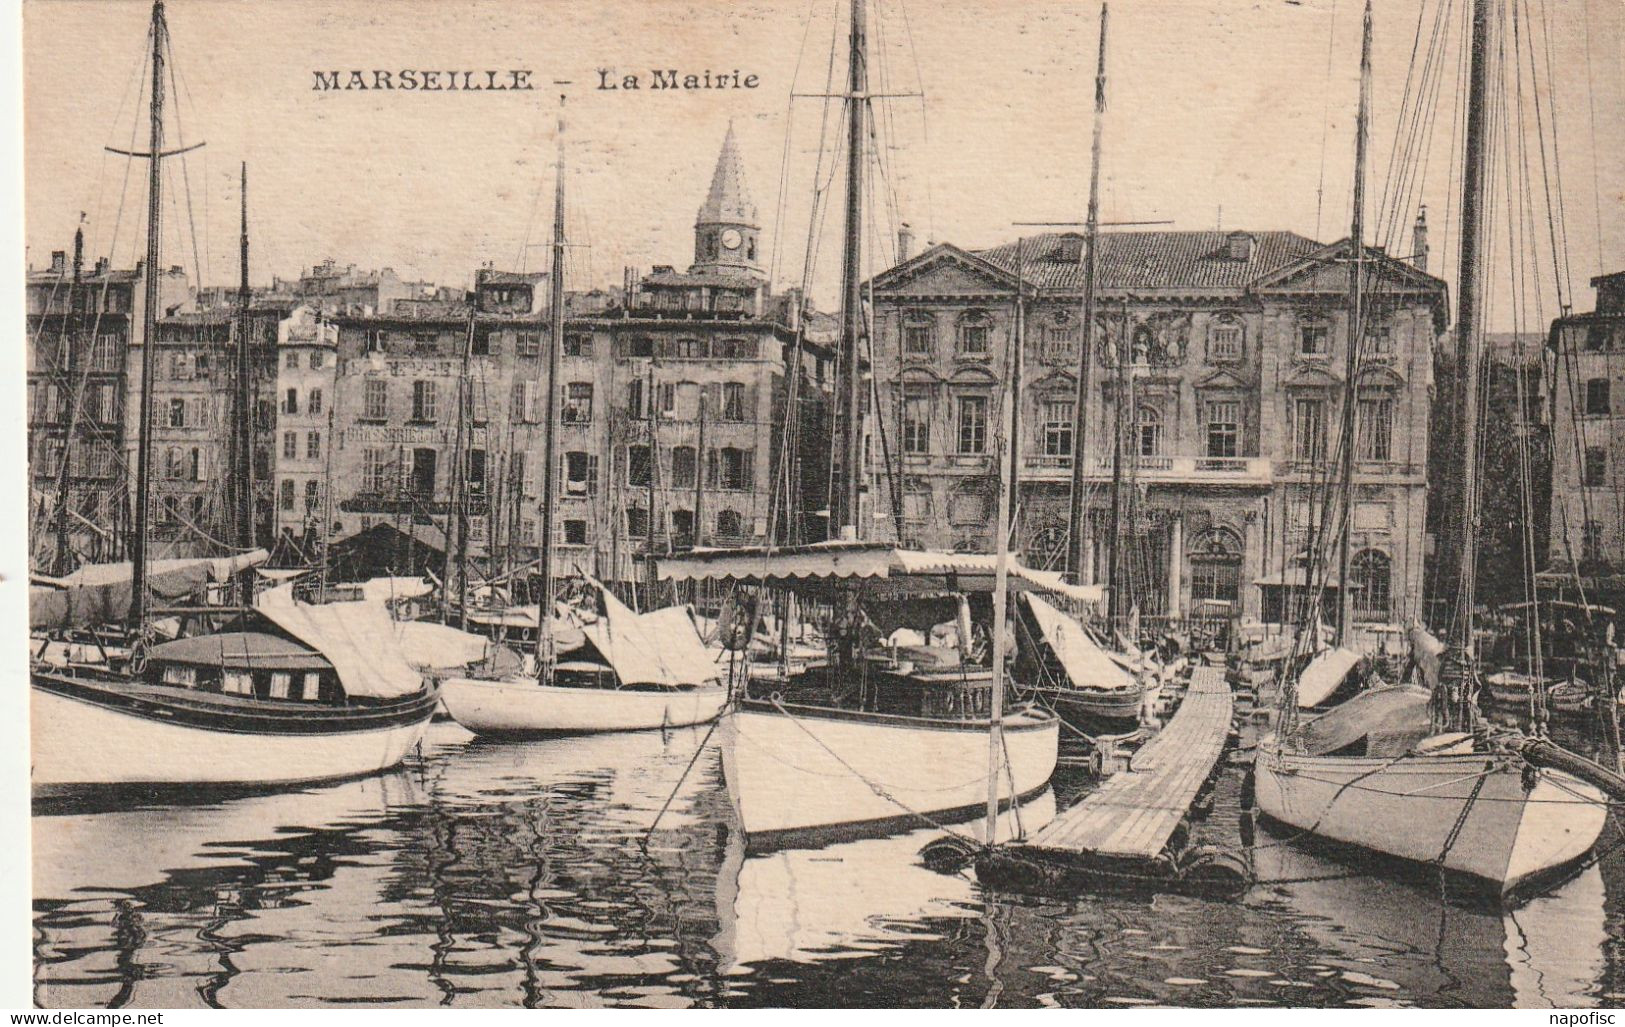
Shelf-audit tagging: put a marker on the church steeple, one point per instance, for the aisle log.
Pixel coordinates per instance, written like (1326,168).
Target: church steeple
(726,234)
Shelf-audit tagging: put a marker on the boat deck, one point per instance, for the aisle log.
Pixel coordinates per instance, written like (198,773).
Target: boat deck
(1134,814)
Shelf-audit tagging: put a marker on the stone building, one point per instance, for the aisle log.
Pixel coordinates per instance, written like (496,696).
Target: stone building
(83,365)
(395,412)
(192,424)
(1588,441)
(1236,345)
(305,399)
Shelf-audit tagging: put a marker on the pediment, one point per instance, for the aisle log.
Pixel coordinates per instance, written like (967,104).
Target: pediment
(1326,271)
(1311,376)
(920,374)
(1381,374)
(1222,378)
(944,270)
(1054,380)
(973,374)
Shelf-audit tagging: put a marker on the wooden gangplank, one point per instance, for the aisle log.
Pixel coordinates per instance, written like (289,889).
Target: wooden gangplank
(1135,813)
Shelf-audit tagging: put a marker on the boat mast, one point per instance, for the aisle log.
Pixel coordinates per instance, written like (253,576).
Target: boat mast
(844,504)
(1078,548)
(555,340)
(149,324)
(76,381)
(1356,334)
(1457,670)
(456,562)
(1122,388)
(1001,593)
(242,471)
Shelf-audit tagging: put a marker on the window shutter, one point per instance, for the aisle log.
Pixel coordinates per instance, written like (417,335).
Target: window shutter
(592,474)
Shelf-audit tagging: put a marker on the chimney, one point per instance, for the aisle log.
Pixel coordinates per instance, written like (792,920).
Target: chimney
(59,261)
(101,265)
(905,242)
(1419,240)
(1240,245)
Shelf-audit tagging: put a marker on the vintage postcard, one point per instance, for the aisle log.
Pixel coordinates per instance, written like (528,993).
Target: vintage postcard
(822,503)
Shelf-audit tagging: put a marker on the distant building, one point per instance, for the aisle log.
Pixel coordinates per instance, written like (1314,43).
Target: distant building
(193,421)
(331,289)
(83,365)
(1236,345)
(306,398)
(1588,440)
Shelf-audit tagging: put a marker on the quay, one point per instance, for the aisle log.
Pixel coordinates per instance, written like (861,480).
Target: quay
(1128,834)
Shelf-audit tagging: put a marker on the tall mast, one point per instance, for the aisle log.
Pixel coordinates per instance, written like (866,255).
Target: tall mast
(149,324)
(1122,400)
(456,564)
(1077,541)
(1001,592)
(76,385)
(549,475)
(1345,595)
(242,471)
(844,504)
(1457,667)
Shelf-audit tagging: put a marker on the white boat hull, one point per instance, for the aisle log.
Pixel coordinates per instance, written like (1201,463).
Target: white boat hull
(1408,808)
(78,745)
(808,777)
(509,708)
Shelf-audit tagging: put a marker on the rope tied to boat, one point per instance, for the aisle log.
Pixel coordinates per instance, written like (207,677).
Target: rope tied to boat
(877,789)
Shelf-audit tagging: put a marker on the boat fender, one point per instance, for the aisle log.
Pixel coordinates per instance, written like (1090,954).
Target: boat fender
(949,853)
(1214,871)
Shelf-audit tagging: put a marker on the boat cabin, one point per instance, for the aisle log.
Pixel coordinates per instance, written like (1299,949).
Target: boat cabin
(251,664)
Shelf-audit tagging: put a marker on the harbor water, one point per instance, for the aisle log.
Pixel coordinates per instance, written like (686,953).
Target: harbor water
(526,874)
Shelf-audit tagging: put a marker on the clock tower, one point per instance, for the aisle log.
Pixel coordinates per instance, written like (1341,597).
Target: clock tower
(726,235)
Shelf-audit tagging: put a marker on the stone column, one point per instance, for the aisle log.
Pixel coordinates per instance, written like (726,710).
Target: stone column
(1176,561)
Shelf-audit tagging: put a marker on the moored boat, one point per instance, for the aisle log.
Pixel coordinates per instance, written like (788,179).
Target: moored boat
(303,693)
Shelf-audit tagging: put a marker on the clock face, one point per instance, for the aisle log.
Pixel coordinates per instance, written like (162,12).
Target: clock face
(730,239)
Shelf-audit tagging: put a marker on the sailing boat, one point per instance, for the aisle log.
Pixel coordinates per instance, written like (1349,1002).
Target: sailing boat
(1403,771)
(620,670)
(1093,683)
(292,692)
(887,734)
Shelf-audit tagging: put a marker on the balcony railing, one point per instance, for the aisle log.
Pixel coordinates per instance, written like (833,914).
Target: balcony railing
(1218,469)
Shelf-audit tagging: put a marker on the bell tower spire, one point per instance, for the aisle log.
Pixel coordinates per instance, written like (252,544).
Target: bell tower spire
(726,232)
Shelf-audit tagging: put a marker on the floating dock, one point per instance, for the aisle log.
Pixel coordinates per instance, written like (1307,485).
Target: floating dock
(1128,832)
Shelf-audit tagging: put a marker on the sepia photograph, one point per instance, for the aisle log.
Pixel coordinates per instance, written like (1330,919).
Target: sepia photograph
(807,504)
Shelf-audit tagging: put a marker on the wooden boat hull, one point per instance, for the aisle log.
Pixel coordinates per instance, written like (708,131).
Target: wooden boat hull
(523,708)
(1510,838)
(86,735)
(815,775)
(1083,705)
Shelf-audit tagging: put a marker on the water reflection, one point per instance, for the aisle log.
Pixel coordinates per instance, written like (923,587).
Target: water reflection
(609,871)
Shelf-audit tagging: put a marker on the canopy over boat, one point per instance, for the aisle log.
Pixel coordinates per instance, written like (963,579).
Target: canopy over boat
(240,650)
(1085,662)
(99,593)
(357,638)
(1390,720)
(383,590)
(1323,674)
(884,566)
(430,646)
(662,647)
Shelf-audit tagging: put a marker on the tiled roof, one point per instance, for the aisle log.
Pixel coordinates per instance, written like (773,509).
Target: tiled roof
(1151,260)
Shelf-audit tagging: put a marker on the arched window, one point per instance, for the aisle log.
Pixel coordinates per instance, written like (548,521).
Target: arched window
(1215,558)
(729,524)
(1148,431)
(1372,581)
(973,333)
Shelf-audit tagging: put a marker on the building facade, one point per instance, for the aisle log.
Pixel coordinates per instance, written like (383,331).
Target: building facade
(83,368)
(1588,437)
(305,397)
(1216,397)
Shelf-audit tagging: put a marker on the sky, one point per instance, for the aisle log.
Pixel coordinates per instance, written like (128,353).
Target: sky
(1226,113)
